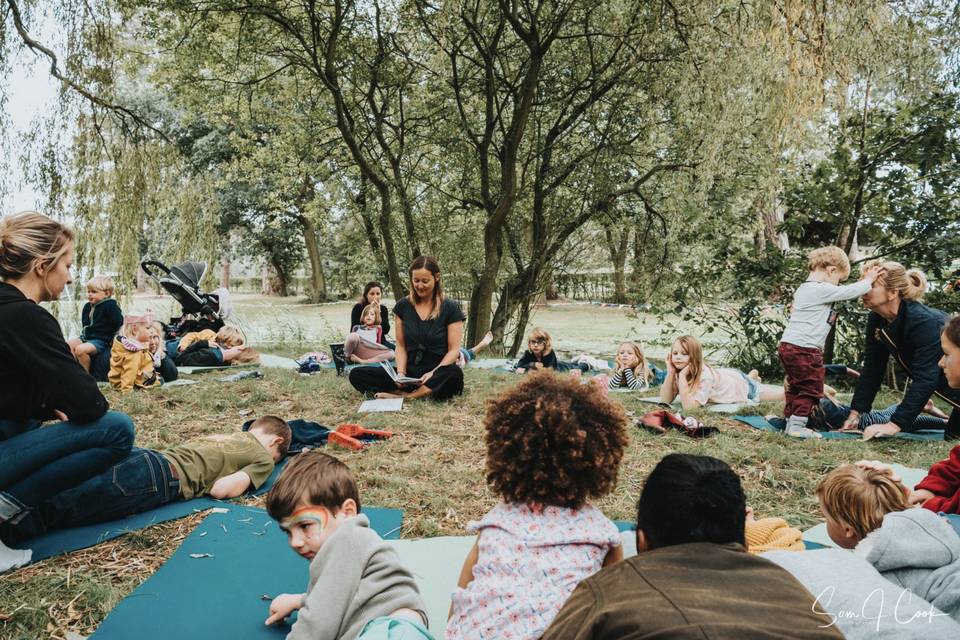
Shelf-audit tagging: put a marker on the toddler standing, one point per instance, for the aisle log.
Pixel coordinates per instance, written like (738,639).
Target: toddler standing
(801,346)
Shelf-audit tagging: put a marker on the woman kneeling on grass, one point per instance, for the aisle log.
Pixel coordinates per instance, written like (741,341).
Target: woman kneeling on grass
(41,380)
(429,330)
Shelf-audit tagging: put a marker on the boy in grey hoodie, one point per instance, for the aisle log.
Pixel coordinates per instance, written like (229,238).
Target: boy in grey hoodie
(919,551)
(357,588)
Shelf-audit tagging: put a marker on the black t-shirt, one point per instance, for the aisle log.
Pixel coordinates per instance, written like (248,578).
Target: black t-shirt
(358,310)
(426,340)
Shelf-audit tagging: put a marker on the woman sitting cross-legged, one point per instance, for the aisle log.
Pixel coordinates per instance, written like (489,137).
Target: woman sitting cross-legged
(429,330)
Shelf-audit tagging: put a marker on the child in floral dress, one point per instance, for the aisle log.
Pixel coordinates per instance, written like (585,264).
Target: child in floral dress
(552,444)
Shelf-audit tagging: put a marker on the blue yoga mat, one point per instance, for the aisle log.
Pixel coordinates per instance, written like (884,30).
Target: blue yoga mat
(220,595)
(759,422)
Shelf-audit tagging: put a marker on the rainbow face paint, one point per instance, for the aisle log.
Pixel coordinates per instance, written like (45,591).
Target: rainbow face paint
(307,514)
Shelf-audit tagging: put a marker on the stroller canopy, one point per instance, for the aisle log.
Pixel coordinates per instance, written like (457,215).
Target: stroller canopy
(189,273)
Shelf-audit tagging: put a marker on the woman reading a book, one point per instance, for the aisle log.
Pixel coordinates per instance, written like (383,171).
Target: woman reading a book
(429,330)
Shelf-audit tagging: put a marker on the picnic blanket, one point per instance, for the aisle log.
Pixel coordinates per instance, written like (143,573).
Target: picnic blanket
(267,360)
(213,585)
(777,425)
(675,406)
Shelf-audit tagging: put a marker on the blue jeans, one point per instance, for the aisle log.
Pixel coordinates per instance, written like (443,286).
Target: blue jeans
(141,482)
(753,388)
(37,462)
(834,415)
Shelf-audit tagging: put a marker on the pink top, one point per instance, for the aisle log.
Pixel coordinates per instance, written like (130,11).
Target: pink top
(529,562)
(721,386)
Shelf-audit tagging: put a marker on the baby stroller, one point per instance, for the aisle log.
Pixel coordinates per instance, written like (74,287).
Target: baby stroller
(200,310)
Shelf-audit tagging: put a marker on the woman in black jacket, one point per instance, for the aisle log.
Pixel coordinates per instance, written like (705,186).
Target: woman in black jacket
(40,380)
(900,326)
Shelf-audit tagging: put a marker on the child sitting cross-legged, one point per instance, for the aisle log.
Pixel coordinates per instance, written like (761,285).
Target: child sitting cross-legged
(365,344)
(100,318)
(131,362)
(866,508)
(221,466)
(357,588)
(552,445)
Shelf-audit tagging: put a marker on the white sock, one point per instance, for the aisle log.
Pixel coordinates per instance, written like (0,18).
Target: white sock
(797,426)
(13,558)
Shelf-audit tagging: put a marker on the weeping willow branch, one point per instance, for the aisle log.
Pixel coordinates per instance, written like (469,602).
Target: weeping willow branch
(119,110)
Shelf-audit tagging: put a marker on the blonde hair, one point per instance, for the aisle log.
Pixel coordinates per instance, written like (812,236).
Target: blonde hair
(29,238)
(229,336)
(832,256)
(101,283)
(694,371)
(859,498)
(541,334)
(158,327)
(376,313)
(641,371)
(127,329)
(911,283)
(247,354)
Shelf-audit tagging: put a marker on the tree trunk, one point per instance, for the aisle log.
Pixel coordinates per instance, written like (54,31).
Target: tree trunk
(273,282)
(393,273)
(225,273)
(318,282)
(618,256)
(141,280)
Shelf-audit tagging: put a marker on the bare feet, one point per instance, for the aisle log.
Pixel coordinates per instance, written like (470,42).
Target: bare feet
(354,358)
(933,410)
(386,395)
(484,342)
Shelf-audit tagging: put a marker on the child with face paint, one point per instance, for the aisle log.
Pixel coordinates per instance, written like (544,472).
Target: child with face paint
(357,588)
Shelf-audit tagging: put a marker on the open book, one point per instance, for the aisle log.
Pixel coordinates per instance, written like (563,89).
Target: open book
(368,337)
(396,377)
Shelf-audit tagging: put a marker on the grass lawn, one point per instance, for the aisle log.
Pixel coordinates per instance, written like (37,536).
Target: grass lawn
(433,470)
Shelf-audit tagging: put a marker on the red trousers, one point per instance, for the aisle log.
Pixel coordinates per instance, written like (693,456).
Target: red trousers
(805,373)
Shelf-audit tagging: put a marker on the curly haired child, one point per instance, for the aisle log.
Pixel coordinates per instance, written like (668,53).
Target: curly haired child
(552,444)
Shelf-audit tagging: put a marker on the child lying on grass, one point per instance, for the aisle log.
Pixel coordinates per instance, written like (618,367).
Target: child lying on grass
(698,384)
(867,510)
(358,588)
(221,466)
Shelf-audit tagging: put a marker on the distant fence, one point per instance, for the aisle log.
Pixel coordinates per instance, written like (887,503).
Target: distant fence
(573,286)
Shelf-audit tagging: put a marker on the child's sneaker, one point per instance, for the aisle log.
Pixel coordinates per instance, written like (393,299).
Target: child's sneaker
(796,427)
(13,558)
